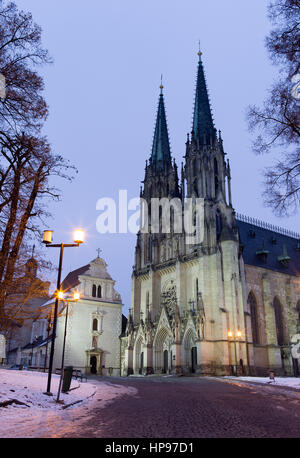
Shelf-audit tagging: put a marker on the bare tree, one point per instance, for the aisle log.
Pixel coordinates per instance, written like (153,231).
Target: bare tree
(26,166)
(277,123)
(21,52)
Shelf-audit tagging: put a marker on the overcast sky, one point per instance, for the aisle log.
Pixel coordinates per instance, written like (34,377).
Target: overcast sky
(103,92)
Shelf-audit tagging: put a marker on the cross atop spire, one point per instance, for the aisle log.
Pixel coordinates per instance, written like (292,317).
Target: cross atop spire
(161,84)
(199,52)
(99,251)
(203,125)
(161,153)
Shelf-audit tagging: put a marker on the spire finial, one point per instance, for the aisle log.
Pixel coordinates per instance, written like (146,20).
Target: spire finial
(161,84)
(98,251)
(199,52)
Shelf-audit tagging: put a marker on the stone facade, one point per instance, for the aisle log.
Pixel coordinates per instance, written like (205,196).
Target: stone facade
(196,307)
(267,286)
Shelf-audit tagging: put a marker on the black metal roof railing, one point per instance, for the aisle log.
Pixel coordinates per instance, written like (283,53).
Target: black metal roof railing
(270,227)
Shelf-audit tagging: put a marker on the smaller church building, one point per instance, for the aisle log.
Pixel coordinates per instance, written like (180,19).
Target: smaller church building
(94,323)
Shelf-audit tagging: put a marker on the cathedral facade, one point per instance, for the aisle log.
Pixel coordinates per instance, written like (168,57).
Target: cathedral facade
(229,304)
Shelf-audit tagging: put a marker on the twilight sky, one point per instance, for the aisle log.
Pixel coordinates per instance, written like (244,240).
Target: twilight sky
(103,92)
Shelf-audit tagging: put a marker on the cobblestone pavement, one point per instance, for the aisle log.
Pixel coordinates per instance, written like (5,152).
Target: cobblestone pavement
(188,407)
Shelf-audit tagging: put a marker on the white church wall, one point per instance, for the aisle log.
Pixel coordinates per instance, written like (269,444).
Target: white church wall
(80,335)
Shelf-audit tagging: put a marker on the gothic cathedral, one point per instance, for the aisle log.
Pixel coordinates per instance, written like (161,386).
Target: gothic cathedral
(229,304)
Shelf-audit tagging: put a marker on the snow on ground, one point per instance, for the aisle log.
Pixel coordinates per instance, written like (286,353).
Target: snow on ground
(44,417)
(28,387)
(292,382)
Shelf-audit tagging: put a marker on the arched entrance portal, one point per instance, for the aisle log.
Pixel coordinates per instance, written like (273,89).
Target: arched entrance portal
(166,361)
(94,361)
(139,356)
(141,363)
(93,364)
(189,351)
(194,359)
(161,348)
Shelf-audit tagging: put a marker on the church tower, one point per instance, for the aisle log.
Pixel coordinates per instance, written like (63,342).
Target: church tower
(187,297)
(206,172)
(161,181)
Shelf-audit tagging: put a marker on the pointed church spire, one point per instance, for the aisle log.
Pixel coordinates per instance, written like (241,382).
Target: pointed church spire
(203,126)
(161,153)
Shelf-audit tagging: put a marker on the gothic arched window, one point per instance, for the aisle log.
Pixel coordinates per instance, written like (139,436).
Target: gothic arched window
(195,167)
(95,324)
(278,321)
(218,222)
(195,222)
(99,291)
(254,318)
(216,171)
(149,250)
(195,186)
(94,290)
(172,219)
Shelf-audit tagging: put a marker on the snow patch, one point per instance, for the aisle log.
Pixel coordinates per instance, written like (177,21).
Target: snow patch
(292,382)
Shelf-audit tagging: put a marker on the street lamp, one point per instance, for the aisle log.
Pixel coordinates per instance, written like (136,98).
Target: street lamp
(47,239)
(75,298)
(237,335)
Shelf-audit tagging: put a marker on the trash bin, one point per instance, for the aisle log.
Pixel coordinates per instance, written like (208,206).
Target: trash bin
(67,378)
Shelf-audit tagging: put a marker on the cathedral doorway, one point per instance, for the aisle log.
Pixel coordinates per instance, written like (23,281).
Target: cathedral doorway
(139,356)
(93,364)
(94,361)
(295,367)
(166,361)
(194,359)
(161,347)
(189,351)
(141,363)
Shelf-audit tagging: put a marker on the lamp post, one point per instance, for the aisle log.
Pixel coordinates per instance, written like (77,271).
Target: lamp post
(231,335)
(48,333)
(47,239)
(75,298)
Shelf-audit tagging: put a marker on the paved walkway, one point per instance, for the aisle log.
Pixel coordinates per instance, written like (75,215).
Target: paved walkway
(188,407)
(171,407)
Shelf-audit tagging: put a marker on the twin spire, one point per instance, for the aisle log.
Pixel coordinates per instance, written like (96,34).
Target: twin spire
(203,127)
(161,153)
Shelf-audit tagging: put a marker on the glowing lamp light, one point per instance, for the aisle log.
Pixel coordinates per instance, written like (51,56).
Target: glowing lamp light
(76,296)
(239,334)
(229,334)
(48,235)
(60,294)
(79,236)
